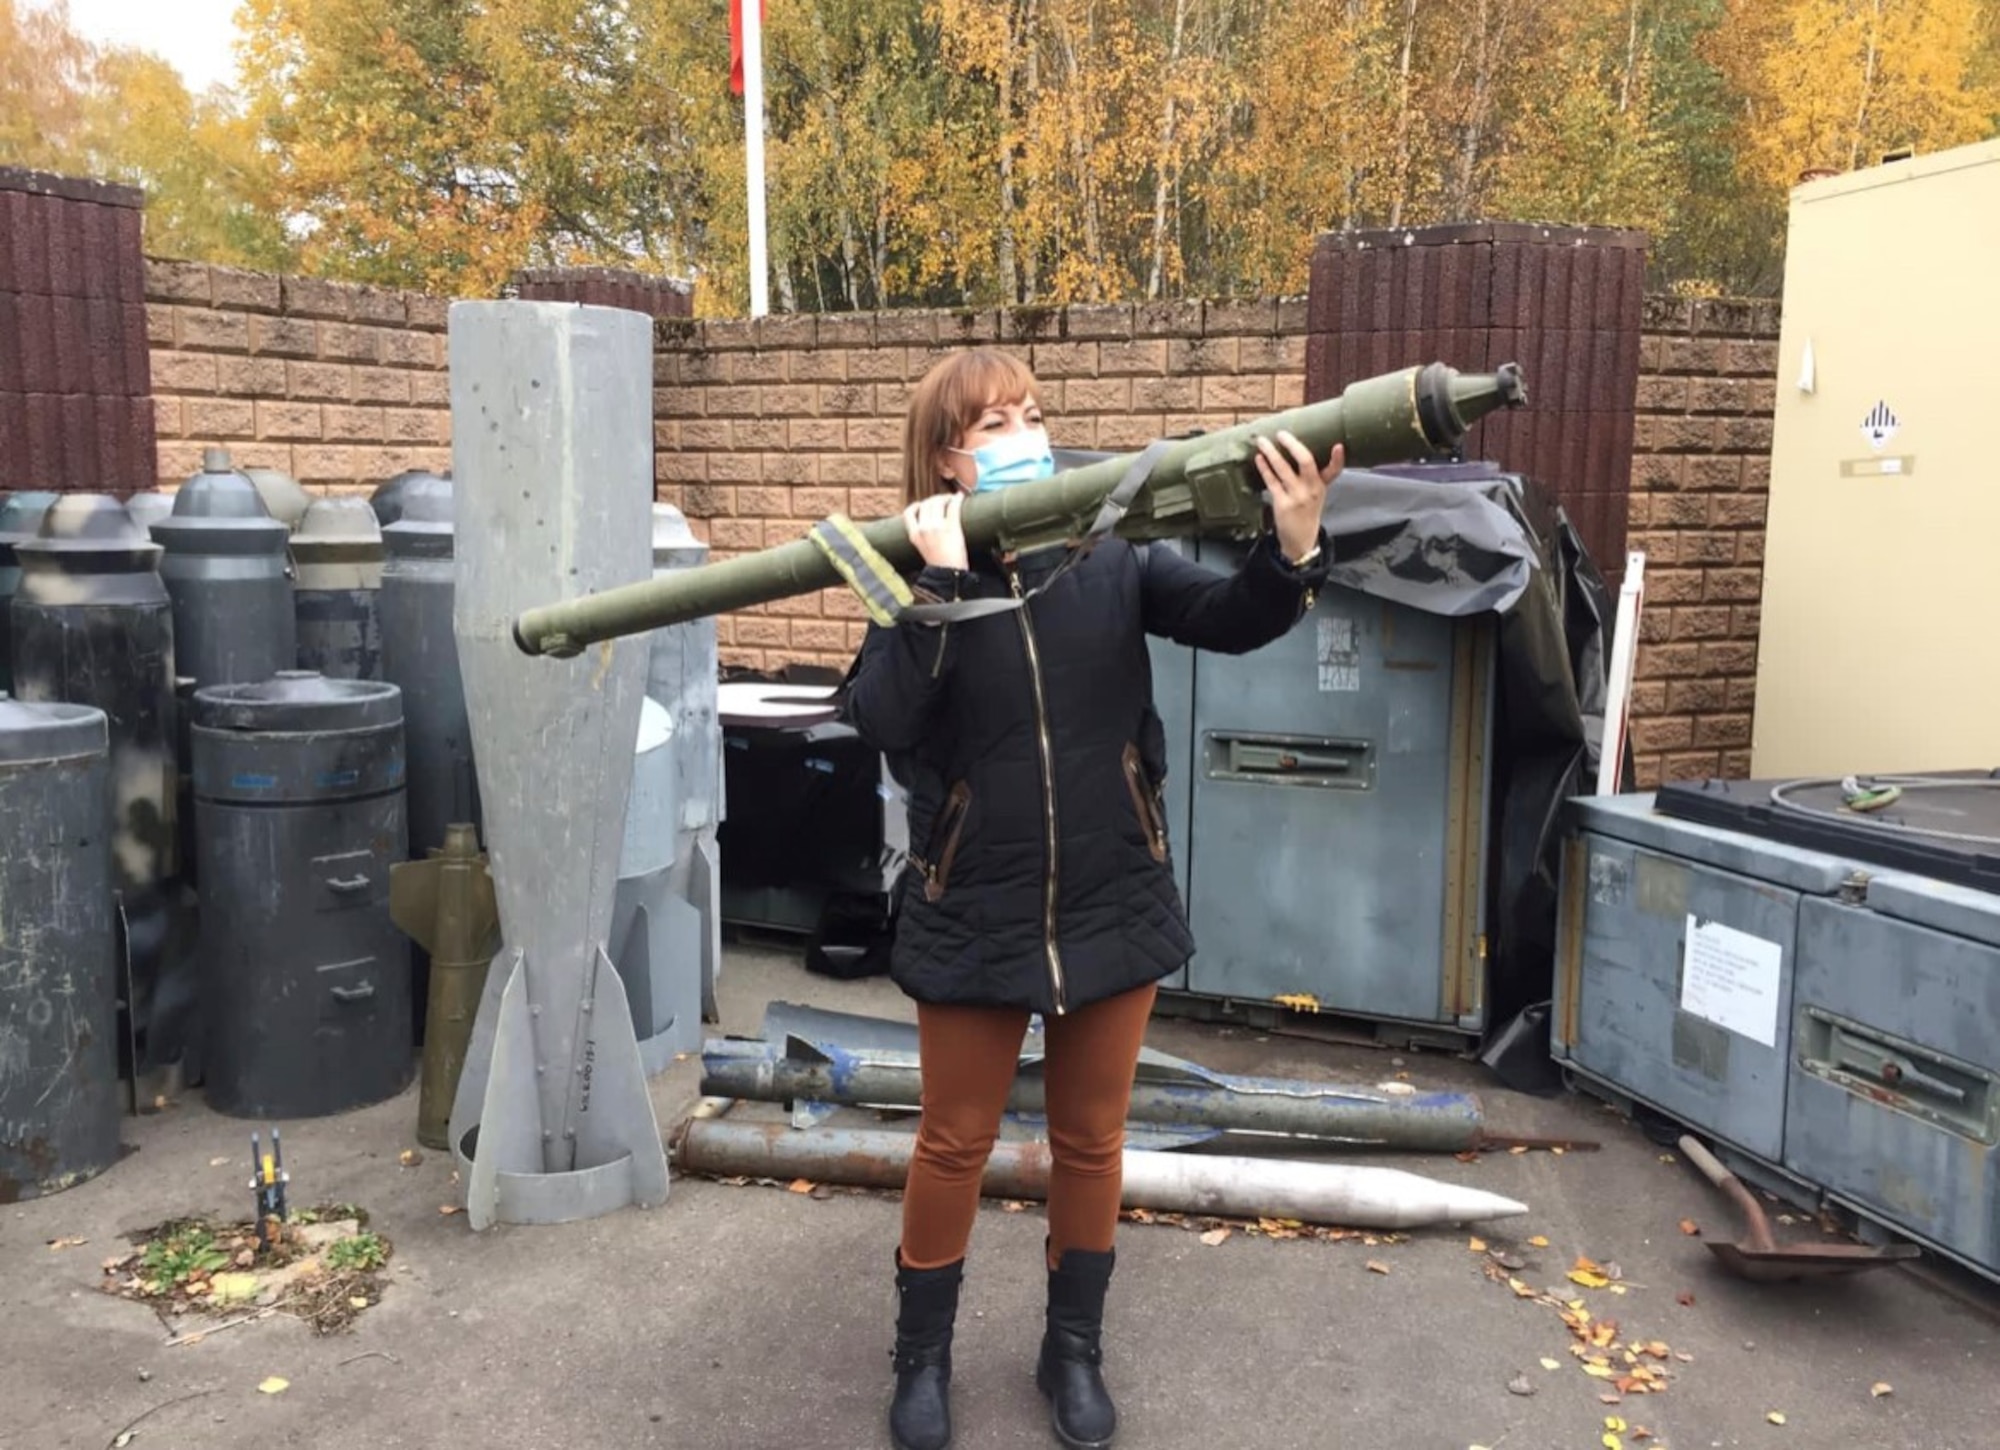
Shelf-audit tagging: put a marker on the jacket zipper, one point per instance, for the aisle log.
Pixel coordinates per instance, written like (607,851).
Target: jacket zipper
(1048,801)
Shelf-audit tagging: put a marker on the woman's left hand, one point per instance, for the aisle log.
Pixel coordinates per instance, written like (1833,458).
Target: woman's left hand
(1298,491)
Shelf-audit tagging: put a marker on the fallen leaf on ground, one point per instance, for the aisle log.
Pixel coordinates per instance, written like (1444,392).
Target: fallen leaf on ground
(66,1243)
(409,1157)
(449,1208)
(1548,1363)
(1879,1389)
(218,1162)
(1520,1385)
(1376,1266)
(800,1185)
(1466,1157)
(124,1438)
(1685,1299)
(1477,1246)
(1539,1242)
(234,1288)
(1559,1150)
(1610,1398)
(355,1301)
(1683,1356)
(1517,1150)
(1640,1432)
(1668,1158)
(1776,1417)
(1589,1278)
(274,1386)
(1215,1236)
(1508,1261)
(1614,1422)
(1014,1205)
(1690,1227)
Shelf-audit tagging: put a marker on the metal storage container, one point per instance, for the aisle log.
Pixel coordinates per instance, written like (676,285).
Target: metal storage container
(420,657)
(20,515)
(59,1098)
(92,625)
(1895,1078)
(299,793)
(1339,794)
(226,571)
(1677,946)
(337,551)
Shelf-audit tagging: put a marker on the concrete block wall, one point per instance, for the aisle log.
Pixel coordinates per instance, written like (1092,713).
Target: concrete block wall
(763,427)
(340,386)
(1700,484)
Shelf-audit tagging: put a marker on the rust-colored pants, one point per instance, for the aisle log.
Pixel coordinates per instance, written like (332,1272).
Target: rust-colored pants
(969,1055)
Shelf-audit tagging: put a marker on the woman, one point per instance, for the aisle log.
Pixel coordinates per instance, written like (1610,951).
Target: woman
(1040,879)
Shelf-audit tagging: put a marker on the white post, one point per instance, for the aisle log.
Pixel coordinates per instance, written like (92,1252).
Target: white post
(753,149)
(1624,654)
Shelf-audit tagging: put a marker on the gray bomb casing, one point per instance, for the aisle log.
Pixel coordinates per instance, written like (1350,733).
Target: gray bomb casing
(59,1099)
(299,802)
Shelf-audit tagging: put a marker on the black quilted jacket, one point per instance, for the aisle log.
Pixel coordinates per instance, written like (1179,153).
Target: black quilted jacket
(1034,761)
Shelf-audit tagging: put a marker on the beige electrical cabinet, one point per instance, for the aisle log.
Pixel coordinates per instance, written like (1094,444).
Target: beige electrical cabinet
(1879,649)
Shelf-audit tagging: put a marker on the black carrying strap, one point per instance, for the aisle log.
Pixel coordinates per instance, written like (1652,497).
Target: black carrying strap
(1116,505)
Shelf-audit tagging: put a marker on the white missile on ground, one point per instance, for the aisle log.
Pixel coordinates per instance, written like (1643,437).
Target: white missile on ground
(1228,1187)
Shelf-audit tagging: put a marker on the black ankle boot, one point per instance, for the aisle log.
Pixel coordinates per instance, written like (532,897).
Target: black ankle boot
(927,1307)
(1069,1372)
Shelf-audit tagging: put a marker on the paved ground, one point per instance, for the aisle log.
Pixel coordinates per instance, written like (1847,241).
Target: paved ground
(755,1319)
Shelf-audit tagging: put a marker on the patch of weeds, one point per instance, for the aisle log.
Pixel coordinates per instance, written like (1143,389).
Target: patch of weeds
(324,1268)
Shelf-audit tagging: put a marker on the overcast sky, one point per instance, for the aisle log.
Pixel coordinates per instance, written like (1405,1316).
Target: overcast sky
(196,36)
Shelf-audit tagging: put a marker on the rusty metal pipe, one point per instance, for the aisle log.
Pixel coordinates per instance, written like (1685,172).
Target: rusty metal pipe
(1329,1112)
(1232,1187)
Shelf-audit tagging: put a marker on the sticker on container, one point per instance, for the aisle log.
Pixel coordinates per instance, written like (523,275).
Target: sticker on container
(1338,654)
(1879,426)
(1730,978)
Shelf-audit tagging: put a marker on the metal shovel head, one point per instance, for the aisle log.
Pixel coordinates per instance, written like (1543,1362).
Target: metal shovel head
(1806,1261)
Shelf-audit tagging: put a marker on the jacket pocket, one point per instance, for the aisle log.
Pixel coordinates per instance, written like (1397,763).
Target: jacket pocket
(935,863)
(1145,804)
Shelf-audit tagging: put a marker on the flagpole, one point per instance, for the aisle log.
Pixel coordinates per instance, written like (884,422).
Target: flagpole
(753,147)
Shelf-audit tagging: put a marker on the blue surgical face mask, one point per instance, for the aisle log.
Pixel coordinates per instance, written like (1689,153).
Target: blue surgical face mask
(1013,458)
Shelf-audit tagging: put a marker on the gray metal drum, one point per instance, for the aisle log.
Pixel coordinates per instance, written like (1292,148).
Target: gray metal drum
(337,552)
(149,506)
(20,515)
(92,625)
(226,570)
(59,1096)
(299,792)
(284,499)
(387,501)
(420,656)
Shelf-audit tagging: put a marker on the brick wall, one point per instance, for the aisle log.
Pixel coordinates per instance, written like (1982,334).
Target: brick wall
(339,386)
(764,426)
(1700,482)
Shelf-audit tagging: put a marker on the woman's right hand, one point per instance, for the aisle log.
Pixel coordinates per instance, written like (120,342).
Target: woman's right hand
(933,527)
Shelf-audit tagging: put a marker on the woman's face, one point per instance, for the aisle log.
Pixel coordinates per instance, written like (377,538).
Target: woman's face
(996,421)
